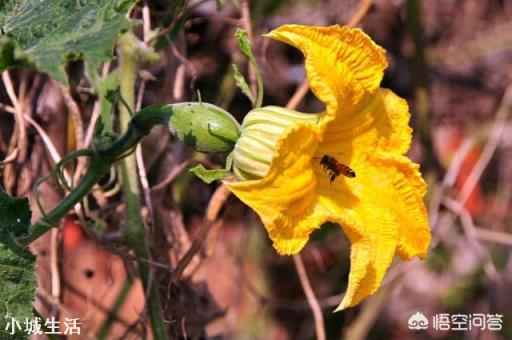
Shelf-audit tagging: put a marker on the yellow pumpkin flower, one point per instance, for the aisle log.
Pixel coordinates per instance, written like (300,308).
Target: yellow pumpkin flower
(365,127)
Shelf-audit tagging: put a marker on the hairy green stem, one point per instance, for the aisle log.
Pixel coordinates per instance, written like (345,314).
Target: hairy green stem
(97,169)
(259,80)
(100,162)
(99,166)
(134,231)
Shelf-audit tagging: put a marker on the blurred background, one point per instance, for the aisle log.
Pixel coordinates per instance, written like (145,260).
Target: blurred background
(451,60)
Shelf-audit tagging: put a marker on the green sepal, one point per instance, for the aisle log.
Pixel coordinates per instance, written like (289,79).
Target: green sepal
(209,176)
(229,160)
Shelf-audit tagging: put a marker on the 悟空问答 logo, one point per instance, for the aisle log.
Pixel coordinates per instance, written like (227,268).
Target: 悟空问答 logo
(417,321)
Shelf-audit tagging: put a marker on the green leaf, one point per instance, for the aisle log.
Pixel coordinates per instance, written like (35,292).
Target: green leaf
(209,176)
(244,43)
(245,46)
(15,217)
(17,265)
(18,281)
(242,84)
(47,34)
(11,55)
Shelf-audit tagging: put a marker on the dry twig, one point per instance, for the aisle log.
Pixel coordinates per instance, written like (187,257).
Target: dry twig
(469,231)
(78,127)
(141,167)
(299,94)
(176,19)
(484,159)
(491,145)
(179,82)
(310,295)
(89,135)
(76,117)
(19,138)
(449,179)
(188,65)
(216,202)
(146,22)
(493,236)
(361,11)
(175,172)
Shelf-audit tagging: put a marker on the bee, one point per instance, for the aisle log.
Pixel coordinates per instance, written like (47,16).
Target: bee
(335,168)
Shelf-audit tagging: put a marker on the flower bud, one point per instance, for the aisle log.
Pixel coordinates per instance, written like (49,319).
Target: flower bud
(204,127)
(261,130)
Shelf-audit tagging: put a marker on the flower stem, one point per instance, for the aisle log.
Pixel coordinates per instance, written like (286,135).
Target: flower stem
(99,166)
(134,231)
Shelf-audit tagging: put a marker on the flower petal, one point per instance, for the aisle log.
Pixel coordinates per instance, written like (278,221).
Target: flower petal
(369,260)
(342,64)
(414,226)
(382,124)
(284,198)
(385,214)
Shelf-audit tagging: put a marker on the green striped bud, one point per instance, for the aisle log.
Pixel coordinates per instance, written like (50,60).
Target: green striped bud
(261,130)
